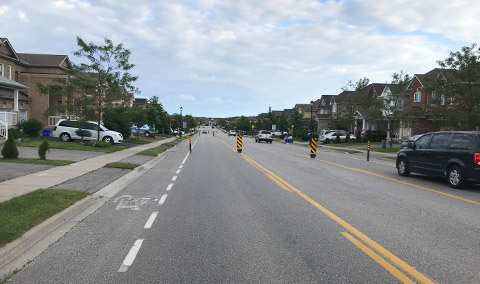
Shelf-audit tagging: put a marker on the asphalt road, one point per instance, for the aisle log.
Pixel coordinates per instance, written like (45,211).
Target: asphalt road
(271,215)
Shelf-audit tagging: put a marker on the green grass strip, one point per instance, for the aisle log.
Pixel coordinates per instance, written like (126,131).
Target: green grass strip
(21,213)
(138,140)
(152,152)
(391,158)
(121,165)
(69,146)
(37,161)
(386,150)
(171,144)
(347,151)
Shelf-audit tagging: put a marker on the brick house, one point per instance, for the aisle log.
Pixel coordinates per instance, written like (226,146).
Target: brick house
(28,70)
(422,100)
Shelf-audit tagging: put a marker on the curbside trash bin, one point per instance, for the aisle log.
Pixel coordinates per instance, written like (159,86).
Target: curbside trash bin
(46,132)
(384,144)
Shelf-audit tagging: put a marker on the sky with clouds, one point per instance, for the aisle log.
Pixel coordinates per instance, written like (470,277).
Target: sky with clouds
(221,58)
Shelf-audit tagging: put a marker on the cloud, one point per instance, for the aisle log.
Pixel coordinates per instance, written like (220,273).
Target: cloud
(186,97)
(250,54)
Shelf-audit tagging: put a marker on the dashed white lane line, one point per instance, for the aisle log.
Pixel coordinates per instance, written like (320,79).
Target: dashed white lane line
(174,178)
(162,200)
(178,171)
(169,186)
(181,167)
(184,160)
(131,256)
(150,220)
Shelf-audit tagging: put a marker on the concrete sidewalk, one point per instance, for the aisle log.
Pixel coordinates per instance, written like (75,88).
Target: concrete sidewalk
(57,175)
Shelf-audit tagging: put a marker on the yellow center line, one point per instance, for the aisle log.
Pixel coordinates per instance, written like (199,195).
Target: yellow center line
(400,263)
(394,271)
(388,178)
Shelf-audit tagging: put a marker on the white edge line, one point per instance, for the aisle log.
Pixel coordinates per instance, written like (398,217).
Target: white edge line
(169,186)
(174,178)
(178,171)
(162,200)
(150,221)
(131,256)
(181,167)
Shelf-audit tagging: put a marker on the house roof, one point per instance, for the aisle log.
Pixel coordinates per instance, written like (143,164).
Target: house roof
(8,94)
(44,60)
(327,99)
(433,74)
(4,41)
(10,84)
(288,111)
(303,107)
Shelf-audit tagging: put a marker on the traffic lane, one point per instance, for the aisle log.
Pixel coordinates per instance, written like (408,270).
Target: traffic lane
(382,168)
(428,231)
(225,221)
(94,250)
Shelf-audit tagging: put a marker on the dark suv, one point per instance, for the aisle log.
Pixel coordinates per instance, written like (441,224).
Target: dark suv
(451,154)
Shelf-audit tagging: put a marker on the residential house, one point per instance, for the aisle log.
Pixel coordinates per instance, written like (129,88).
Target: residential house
(323,115)
(140,102)
(28,70)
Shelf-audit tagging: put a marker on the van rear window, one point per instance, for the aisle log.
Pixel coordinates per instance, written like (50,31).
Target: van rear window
(462,141)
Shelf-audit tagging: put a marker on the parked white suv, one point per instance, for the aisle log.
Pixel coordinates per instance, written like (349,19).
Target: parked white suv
(65,131)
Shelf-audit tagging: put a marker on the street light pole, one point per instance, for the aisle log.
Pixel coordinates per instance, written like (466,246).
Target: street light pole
(181,121)
(311,120)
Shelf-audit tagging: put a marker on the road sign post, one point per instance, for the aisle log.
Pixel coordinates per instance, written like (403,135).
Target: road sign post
(239,143)
(313,147)
(213,133)
(190,139)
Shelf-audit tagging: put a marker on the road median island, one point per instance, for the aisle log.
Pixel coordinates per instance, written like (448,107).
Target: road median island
(21,213)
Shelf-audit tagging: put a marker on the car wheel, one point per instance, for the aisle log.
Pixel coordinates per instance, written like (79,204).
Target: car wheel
(403,168)
(65,137)
(455,177)
(108,139)
(147,134)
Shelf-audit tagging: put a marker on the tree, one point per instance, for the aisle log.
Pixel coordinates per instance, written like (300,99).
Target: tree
(138,116)
(297,121)
(360,84)
(43,149)
(283,124)
(457,90)
(191,122)
(92,87)
(221,122)
(177,121)
(9,150)
(243,124)
(83,133)
(156,115)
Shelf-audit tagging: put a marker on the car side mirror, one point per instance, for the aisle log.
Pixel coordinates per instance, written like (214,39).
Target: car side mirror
(410,145)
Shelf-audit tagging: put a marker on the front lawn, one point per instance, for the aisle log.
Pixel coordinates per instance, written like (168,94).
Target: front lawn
(37,161)
(21,213)
(69,146)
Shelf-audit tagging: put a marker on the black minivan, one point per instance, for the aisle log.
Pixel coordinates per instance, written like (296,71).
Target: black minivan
(451,154)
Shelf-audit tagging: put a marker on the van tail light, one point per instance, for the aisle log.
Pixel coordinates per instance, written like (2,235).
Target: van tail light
(54,128)
(323,137)
(476,158)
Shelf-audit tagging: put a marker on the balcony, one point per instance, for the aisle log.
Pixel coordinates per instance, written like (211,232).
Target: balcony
(8,117)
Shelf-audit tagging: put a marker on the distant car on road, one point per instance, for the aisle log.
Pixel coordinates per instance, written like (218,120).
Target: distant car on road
(331,136)
(454,155)
(264,135)
(232,133)
(65,130)
(204,132)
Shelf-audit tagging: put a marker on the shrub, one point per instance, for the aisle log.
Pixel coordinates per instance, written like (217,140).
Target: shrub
(378,137)
(14,133)
(358,138)
(83,133)
(43,149)
(101,144)
(347,139)
(327,141)
(151,135)
(368,136)
(338,140)
(31,127)
(9,150)
(305,137)
(118,119)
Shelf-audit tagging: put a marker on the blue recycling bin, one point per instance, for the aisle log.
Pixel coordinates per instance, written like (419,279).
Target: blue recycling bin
(46,133)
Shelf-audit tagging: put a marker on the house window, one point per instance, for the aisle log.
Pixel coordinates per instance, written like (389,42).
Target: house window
(452,100)
(334,108)
(433,95)
(1,69)
(417,97)
(442,100)
(9,72)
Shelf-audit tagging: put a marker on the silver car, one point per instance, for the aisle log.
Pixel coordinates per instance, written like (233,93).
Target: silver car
(264,135)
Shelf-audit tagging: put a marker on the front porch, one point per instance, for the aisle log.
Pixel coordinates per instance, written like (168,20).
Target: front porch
(9,113)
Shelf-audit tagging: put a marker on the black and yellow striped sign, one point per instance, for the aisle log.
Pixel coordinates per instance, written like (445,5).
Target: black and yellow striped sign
(313,147)
(239,143)
(213,132)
